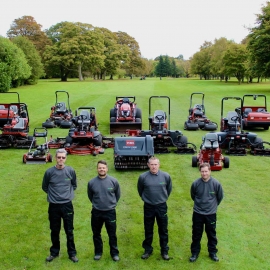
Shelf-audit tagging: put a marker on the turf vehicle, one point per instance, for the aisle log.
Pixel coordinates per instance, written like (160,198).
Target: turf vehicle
(41,154)
(14,124)
(255,116)
(83,138)
(233,139)
(159,129)
(197,118)
(125,115)
(61,113)
(211,153)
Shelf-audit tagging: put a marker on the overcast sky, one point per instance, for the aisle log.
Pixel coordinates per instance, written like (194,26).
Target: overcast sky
(171,27)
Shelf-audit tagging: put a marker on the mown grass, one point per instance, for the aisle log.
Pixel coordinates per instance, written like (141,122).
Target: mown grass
(243,216)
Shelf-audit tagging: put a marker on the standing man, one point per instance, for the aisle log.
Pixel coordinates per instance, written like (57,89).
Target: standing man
(104,193)
(207,193)
(59,182)
(154,187)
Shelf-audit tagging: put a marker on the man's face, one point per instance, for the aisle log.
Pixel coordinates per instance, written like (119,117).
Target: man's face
(205,173)
(61,159)
(153,166)
(102,170)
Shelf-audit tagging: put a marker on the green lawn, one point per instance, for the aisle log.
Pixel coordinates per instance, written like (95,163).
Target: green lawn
(243,216)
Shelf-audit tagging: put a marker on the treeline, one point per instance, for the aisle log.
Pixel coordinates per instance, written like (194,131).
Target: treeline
(80,50)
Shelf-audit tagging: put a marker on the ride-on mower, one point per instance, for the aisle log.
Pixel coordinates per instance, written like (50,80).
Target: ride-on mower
(83,138)
(61,113)
(159,129)
(211,153)
(233,139)
(41,154)
(125,115)
(197,118)
(14,124)
(256,115)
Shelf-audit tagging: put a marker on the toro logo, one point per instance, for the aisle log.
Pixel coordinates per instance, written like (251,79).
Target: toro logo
(130,142)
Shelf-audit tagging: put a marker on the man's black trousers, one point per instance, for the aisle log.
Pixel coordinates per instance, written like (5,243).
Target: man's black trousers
(158,212)
(97,220)
(199,221)
(57,212)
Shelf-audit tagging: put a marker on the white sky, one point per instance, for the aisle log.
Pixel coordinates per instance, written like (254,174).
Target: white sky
(171,27)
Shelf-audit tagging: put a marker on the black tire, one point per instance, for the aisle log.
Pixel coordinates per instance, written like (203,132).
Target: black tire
(69,140)
(191,126)
(57,122)
(266,128)
(183,141)
(210,126)
(98,140)
(226,162)
(24,159)
(48,124)
(257,143)
(138,120)
(113,119)
(201,124)
(112,113)
(65,124)
(50,158)
(194,162)
(138,113)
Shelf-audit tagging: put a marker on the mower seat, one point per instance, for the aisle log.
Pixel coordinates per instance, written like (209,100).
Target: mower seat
(2,107)
(87,120)
(247,111)
(261,110)
(62,108)
(14,108)
(20,124)
(232,124)
(159,117)
(210,141)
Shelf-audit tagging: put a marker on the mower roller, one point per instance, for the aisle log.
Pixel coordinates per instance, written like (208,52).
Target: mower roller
(125,115)
(233,139)
(197,118)
(255,116)
(14,124)
(61,113)
(132,152)
(41,154)
(159,129)
(211,153)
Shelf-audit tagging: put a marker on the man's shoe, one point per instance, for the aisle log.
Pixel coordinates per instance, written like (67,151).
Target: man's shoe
(146,255)
(116,258)
(50,258)
(74,259)
(193,258)
(165,257)
(97,257)
(214,257)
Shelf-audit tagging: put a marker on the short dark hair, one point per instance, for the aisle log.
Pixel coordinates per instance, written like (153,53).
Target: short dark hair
(102,162)
(204,165)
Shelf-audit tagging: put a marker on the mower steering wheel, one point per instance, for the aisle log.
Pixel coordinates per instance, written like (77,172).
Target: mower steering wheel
(59,105)
(159,117)
(198,107)
(82,117)
(235,118)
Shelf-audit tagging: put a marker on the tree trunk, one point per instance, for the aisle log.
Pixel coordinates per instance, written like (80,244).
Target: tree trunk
(80,72)
(111,77)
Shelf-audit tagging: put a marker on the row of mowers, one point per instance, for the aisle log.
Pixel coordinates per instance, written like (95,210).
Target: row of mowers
(133,149)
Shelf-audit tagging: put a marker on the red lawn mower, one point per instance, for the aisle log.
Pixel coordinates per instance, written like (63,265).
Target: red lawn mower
(125,115)
(61,113)
(211,153)
(197,118)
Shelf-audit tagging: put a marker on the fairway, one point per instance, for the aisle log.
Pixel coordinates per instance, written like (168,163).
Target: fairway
(243,218)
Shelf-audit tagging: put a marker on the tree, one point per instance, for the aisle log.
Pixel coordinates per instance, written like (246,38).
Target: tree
(13,65)
(76,46)
(26,26)
(160,67)
(258,42)
(133,62)
(32,57)
(235,61)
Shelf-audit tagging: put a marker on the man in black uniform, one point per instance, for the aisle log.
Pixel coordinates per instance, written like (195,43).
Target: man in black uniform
(154,187)
(207,193)
(59,182)
(104,193)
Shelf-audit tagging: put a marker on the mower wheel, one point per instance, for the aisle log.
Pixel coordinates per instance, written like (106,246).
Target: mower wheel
(138,113)
(210,126)
(98,142)
(183,141)
(138,120)
(226,162)
(69,140)
(113,119)
(257,143)
(49,158)
(65,124)
(266,128)
(201,124)
(191,126)
(24,159)
(48,124)
(194,161)
(112,113)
